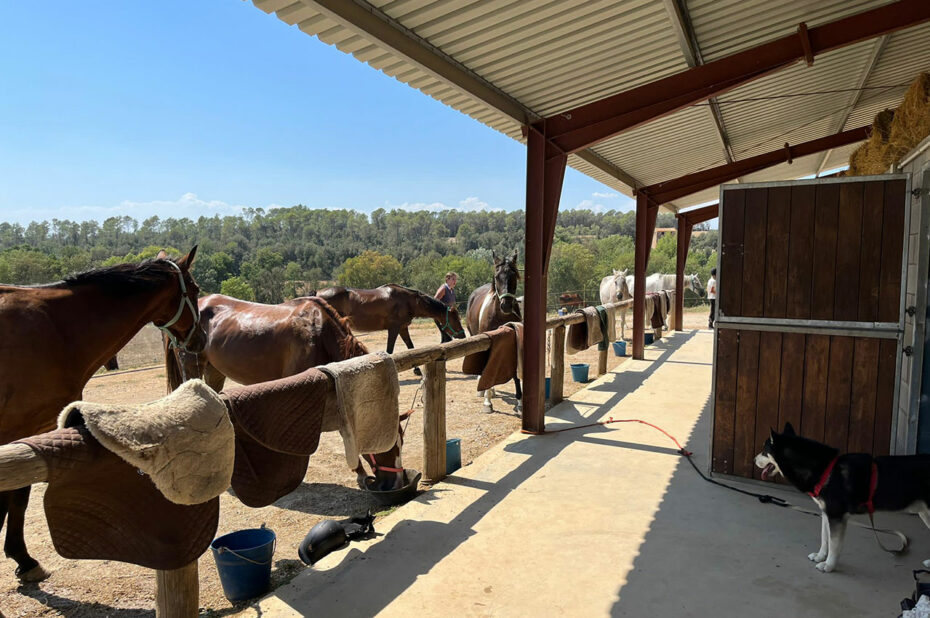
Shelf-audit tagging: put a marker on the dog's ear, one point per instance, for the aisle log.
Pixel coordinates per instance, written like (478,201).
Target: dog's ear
(772,434)
(789,430)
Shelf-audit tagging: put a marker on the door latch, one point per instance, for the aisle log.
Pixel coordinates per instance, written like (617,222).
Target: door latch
(908,350)
(911,310)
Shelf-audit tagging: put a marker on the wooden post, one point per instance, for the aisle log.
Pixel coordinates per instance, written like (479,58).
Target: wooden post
(434,421)
(601,362)
(557,365)
(177,592)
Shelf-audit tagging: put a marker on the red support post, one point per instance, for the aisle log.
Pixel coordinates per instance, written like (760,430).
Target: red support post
(645,227)
(545,169)
(684,241)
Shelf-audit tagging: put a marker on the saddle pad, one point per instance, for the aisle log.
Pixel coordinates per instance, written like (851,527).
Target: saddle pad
(366,394)
(101,508)
(583,335)
(501,362)
(656,300)
(277,426)
(184,441)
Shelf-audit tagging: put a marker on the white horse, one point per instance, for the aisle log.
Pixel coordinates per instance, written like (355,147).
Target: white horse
(614,288)
(658,282)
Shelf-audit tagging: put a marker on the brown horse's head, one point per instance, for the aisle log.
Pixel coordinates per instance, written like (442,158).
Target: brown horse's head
(179,319)
(452,324)
(504,284)
(387,467)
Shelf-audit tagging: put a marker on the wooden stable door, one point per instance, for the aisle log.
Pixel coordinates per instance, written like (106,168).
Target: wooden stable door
(809,315)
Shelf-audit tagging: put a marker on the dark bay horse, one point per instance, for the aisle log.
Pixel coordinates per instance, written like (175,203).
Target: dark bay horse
(494,304)
(55,336)
(392,307)
(253,342)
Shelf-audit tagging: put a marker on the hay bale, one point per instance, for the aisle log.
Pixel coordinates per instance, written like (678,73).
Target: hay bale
(895,132)
(912,120)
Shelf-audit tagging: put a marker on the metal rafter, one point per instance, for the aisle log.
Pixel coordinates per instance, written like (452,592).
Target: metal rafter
(877,50)
(369,22)
(584,126)
(691,50)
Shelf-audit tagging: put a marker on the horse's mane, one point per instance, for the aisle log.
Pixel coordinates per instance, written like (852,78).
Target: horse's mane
(122,278)
(431,302)
(350,346)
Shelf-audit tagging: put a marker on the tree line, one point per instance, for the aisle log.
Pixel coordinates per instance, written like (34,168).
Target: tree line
(284,252)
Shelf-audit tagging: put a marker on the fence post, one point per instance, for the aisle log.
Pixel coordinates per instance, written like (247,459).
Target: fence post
(177,592)
(434,420)
(601,362)
(557,364)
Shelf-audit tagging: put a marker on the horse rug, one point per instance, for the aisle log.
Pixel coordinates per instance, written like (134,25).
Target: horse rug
(593,330)
(502,361)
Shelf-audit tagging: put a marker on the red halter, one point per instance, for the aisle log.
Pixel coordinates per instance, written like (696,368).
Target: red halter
(375,466)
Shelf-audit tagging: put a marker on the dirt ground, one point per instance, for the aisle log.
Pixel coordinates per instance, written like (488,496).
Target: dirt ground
(101,588)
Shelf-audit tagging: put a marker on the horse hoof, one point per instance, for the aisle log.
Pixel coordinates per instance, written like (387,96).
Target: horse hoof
(33,575)
(487,409)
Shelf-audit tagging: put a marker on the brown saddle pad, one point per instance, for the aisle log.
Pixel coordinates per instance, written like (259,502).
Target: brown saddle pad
(99,507)
(657,321)
(277,426)
(499,363)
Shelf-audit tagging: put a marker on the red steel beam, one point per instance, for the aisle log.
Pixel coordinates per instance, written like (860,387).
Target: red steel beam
(684,241)
(670,190)
(700,215)
(584,126)
(645,227)
(545,171)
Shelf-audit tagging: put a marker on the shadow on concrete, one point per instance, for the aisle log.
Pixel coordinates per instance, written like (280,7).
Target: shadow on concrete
(713,552)
(412,548)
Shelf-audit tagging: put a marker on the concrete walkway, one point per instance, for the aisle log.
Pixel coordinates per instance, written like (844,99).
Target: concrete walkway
(606,520)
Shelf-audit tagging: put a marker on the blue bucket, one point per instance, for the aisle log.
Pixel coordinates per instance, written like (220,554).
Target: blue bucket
(453,455)
(620,348)
(648,338)
(548,386)
(580,372)
(243,560)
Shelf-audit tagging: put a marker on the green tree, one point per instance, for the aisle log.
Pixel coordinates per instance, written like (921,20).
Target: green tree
(25,266)
(369,270)
(573,268)
(265,274)
(237,287)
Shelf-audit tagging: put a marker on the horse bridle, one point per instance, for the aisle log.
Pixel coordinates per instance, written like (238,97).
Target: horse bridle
(185,302)
(448,325)
(501,297)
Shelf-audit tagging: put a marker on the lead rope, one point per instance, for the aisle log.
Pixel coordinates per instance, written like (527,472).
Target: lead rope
(763,498)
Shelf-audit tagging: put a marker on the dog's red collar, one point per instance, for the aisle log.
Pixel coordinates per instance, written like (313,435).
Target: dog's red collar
(873,484)
(823,479)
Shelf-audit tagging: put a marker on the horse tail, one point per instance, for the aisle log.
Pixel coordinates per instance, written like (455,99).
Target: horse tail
(349,346)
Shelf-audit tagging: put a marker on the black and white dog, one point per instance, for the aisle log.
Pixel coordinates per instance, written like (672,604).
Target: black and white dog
(841,485)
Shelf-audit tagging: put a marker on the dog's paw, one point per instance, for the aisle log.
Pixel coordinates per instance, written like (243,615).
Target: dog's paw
(816,557)
(825,567)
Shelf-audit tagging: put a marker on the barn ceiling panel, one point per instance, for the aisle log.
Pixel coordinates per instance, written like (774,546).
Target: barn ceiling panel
(507,62)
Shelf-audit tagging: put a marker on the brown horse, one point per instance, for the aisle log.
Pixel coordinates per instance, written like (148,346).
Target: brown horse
(56,336)
(493,305)
(392,307)
(253,342)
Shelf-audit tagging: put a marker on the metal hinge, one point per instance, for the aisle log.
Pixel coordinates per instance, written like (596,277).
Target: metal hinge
(908,350)
(911,310)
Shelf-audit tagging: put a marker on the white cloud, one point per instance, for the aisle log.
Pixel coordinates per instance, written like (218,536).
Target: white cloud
(188,205)
(469,204)
(588,205)
(605,195)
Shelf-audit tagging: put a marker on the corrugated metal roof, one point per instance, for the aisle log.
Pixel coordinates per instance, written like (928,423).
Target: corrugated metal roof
(541,57)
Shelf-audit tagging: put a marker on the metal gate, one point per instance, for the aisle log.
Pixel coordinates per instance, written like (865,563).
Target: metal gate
(809,314)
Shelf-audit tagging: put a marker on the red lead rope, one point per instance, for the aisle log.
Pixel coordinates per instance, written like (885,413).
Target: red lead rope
(611,419)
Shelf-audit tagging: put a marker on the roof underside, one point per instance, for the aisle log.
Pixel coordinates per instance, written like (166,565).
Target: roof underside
(543,57)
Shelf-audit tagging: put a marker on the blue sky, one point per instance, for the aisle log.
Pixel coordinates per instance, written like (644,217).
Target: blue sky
(181,108)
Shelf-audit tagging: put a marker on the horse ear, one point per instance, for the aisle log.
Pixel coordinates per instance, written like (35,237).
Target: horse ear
(494,257)
(161,255)
(188,260)
(516,253)
(616,272)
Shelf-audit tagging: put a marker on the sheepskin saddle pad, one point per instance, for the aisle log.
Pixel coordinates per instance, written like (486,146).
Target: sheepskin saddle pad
(277,426)
(100,508)
(184,442)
